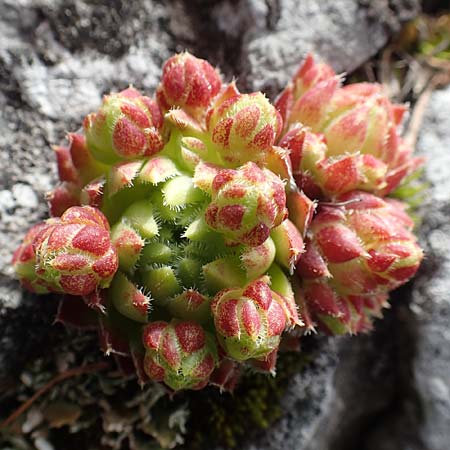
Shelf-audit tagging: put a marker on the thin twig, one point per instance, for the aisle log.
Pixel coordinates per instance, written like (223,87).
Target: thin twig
(89,368)
(417,115)
(385,70)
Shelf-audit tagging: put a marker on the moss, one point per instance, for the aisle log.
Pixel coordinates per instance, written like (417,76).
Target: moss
(227,419)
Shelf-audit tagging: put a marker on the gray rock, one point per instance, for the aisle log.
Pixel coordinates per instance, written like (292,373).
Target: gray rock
(431,298)
(278,34)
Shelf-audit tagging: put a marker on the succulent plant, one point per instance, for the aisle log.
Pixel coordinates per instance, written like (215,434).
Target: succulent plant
(250,321)
(355,254)
(24,260)
(342,138)
(127,126)
(195,224)
(188,83)
(243,127)
(179,353)
(246,204)
(74,254)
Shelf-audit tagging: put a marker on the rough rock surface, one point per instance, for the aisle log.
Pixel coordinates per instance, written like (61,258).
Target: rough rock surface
(431,296)
(276,34)
(56,60)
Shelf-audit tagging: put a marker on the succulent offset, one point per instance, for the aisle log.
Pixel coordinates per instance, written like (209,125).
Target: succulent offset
(342,138)
(354,255)
(206,225)
(74,254)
